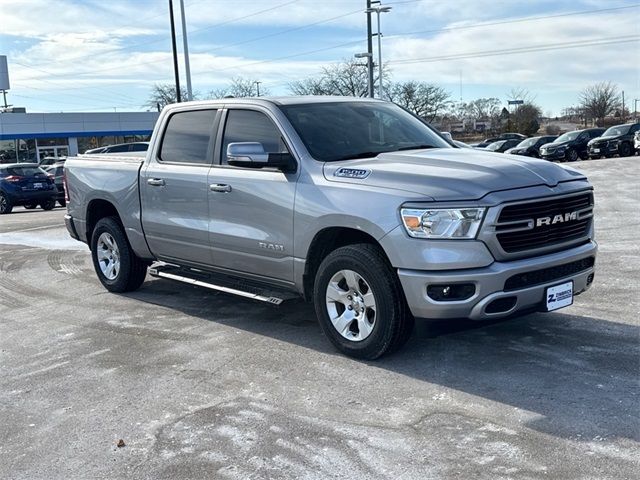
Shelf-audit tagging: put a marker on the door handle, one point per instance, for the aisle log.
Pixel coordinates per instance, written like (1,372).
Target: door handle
(155,182)
(220,187)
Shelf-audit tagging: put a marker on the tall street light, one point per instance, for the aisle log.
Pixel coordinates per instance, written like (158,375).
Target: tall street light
(187,68)
(378,10)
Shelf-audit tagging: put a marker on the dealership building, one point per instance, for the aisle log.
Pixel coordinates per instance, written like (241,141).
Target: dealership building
(29,137)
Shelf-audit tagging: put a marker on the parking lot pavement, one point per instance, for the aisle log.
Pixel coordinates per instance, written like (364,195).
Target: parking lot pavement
(205,385)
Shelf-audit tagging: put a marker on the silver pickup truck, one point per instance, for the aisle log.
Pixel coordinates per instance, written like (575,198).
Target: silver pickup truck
(354,204)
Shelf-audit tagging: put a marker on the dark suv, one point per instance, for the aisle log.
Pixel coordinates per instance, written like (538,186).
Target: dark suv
(531,146)
(57,172)
(616,140)
(570,146)
(25,184)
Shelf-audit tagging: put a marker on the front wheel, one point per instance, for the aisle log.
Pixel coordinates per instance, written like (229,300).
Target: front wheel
(572,155)
(117,266)
(360,304)
(625,150)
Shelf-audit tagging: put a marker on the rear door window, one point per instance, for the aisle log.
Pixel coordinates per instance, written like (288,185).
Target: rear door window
(187,137)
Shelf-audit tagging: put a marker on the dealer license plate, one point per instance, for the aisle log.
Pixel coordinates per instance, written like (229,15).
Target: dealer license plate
(559,296)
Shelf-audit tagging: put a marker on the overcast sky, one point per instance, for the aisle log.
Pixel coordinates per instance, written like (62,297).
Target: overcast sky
(96,55)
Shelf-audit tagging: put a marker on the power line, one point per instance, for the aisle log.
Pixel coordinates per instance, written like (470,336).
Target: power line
(518,20)
(527,49)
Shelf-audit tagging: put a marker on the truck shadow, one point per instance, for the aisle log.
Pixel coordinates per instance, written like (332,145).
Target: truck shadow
(578,373)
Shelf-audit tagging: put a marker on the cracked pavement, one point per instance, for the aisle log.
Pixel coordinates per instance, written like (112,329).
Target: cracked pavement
(201,384)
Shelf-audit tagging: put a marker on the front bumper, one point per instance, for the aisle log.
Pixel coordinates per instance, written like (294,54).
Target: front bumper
(555,155)
(603,149)
(490,285)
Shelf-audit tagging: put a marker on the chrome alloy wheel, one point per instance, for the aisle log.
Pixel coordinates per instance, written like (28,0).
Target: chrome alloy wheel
(351,305)
(108,256)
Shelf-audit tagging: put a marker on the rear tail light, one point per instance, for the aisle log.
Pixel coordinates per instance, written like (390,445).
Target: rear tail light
(66,187)
(13,178)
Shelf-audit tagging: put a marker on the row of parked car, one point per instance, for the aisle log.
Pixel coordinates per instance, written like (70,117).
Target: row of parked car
(42,185)
(622,140)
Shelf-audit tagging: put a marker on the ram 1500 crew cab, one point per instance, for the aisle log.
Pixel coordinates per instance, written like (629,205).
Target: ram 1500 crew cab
(354,204)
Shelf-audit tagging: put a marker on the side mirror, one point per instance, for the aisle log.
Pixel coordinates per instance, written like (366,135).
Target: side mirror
(252,155)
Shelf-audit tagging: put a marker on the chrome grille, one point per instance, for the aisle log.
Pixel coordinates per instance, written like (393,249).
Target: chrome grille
(519,229)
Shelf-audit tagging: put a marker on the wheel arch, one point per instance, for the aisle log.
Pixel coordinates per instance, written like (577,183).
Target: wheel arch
(326,241)
(98,209)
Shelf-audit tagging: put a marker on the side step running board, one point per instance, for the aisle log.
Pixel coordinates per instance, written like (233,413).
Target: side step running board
(184,276)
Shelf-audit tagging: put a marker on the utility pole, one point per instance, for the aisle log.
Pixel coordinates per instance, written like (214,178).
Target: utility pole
(622,114)
(175,52)
(635,107)
(369,50)
(187,68)
(258,87)
(378,10)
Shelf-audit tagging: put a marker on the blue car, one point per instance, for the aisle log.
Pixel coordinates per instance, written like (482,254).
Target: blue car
(26,184)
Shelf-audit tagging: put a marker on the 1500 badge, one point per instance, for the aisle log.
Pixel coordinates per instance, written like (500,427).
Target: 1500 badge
(352,172)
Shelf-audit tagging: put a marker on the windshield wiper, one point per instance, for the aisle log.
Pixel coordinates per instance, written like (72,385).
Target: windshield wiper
(416,147)
(358,155)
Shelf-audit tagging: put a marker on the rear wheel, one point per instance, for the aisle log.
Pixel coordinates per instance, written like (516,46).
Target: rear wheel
(5,204)
(117,266)
(360,304)
(572,155)
(30,206)
(48,205)
(63,202)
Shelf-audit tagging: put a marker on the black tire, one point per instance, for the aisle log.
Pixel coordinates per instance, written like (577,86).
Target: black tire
(625,150)
(31,206)
(393,320)
(5,204)
(48,205)
(63,202)
(132,271)
(571,155)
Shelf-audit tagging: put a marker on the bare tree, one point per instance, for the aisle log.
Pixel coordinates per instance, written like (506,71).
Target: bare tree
(520,93)
(165,93)
(424,99)
(239,88)
(600,100)
(347,78)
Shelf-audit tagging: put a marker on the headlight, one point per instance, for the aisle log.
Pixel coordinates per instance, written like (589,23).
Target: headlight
(561,149)
(454,223)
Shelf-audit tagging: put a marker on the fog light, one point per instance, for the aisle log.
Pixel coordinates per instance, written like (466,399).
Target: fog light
(451,292)
(590,279)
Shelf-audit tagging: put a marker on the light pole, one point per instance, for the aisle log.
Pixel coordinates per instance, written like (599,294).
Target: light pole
(175,52)
(257,87)
(378,10)
(187,68)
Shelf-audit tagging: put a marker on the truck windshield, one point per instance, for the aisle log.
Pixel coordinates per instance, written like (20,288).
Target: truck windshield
(335,131)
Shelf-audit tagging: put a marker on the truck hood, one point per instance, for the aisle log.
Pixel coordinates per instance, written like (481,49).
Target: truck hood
(449,174)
